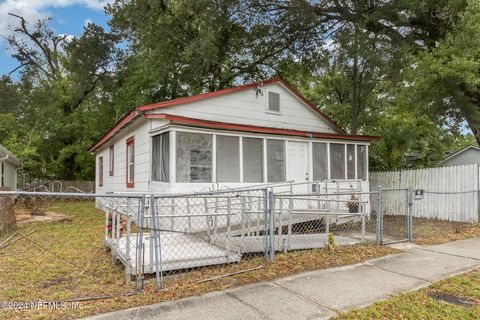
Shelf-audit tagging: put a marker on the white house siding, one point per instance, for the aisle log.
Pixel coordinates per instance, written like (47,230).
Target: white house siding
(468,156)
(10,174)
(117,183)
(244,107)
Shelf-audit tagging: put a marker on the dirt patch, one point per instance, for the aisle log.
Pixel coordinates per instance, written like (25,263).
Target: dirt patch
(25,216)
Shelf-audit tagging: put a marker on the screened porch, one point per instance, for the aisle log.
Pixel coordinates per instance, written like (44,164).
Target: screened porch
(196,157)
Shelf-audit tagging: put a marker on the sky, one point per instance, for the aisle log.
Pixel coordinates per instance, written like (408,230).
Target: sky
(68,17)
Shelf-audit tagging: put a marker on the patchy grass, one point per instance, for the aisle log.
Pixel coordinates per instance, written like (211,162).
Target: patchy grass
(425,231)
(419,305)
(435,231)
(64,260)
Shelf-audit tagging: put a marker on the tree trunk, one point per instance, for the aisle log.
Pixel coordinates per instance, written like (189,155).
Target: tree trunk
(355,94)
(69,167)
(473,122)
(472,112)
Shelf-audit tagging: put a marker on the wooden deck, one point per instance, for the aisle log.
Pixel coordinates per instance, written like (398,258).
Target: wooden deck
(178,251)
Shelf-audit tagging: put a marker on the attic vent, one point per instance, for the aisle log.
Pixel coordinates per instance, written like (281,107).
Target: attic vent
(273,101)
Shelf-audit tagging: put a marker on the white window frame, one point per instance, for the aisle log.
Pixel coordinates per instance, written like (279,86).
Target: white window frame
(176,128)
(130,166)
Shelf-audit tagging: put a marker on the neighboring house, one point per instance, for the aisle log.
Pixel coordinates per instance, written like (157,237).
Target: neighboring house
(9,165)
(467,155)
(257,133)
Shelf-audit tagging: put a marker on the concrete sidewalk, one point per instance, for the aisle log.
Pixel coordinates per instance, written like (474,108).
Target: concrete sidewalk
(321,294)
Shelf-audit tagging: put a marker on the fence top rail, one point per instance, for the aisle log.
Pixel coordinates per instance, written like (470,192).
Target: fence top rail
(329,200)
(70,194)
(451,192)
(315,194)
(393,189)
(291,183)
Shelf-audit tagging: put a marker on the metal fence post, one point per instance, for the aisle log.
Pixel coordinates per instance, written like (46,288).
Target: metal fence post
(410,213)
(128,260)
(268,225)
(379,228)
(139,244)
(158,250)
(271,229)
(266,219)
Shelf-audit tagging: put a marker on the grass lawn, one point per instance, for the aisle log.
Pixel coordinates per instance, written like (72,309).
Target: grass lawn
(65,260)
(419,304)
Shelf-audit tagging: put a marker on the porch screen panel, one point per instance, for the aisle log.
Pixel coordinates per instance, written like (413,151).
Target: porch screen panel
(361,162)
(337,161)
(252,160)
(275,161)
(350,161)
(228,159)
(161,157)
(320,161)
(194,157)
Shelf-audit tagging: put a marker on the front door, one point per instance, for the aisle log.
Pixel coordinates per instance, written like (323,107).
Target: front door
(297,161)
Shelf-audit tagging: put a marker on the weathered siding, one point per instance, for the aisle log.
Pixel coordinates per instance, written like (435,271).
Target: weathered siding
(117,183)
(244,107)
(468,156)
(10,175)
(451,193)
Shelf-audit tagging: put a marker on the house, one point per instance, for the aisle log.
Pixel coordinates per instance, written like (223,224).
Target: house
(468,155)
(9,165)
(253,134)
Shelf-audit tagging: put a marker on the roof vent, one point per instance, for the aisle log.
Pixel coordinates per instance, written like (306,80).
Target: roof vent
(273,101)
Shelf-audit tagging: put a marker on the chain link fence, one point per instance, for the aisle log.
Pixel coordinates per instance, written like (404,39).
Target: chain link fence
(184,239)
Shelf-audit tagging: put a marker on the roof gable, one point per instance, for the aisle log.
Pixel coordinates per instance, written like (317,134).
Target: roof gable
(157,107)
(261,85)
(470,148)
(6,155)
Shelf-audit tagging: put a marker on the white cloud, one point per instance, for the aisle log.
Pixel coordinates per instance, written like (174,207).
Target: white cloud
(35,9)
(87,22)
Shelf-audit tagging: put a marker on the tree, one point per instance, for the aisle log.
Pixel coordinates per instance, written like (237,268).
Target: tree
(416,26)
(63,82)
(446,80)
(180,48)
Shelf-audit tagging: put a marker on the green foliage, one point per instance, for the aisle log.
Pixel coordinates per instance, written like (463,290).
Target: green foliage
(418,88)
(330,245)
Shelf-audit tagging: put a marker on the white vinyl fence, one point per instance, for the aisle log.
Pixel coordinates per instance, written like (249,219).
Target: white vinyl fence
(450,193)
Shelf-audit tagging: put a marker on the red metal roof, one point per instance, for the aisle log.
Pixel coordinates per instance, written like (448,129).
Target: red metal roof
(141,109)
(257,129)
(117,126)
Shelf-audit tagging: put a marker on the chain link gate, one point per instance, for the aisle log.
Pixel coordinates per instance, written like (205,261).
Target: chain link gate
(394,215)
(186,233)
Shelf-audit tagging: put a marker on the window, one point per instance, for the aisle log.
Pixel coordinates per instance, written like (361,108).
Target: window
(2,175)
(337,161)
(273,102)
(361,162)
(228,159)
(275,161)
(130,162)
(252,160)
(194,157)
(320,161)
(350,161)
(111,161)
(100,172)
(161,157)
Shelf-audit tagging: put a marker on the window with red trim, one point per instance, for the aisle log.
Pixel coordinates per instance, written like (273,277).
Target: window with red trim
(100,172)
(130,155)
(111,161)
